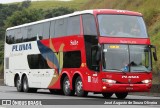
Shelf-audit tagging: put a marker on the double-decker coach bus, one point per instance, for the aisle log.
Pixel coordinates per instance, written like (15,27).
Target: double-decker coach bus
(101,51)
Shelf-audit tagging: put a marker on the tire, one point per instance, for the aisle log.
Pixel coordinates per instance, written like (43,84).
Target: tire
(66,87)
(107,95)
(79,88)
(121,95)
(26,86)
(19,84)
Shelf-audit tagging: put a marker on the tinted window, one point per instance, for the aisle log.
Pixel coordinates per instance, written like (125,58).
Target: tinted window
(73,25)
(36,61)
(72,59)
(61,27)
(24,33)
(52,33)
(29,33)
(18,35)
(10,36)
(89,25)
(46,26)
(37,31)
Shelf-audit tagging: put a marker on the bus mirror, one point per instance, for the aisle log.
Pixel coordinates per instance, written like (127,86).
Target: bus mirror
(98,55)
(154,52)
(155,56)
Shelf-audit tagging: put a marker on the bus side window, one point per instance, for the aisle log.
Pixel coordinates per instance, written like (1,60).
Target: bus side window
(29,33)
(61,27)
(10,36)
(37,32)
(36,61)
(18,35)
(73,25)
(24,34)
(72,59)
(46,26)
(52,29)
(89,25)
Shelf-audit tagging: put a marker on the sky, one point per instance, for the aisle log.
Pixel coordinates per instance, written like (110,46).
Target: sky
(11,1)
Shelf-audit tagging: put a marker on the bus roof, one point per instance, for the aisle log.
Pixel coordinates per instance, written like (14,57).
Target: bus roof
(95,11)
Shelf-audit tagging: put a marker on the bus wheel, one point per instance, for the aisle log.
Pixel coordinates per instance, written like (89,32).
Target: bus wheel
(121,95)
(107,95)
(66,87)
(19,84)
(79,88)
(26,87)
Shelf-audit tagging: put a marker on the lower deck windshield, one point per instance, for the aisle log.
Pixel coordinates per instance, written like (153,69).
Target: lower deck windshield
(126,58)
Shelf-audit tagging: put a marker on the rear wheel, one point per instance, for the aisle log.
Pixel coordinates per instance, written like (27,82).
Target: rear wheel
(79,88)
(19,84)
(66,87)
(107,95)
(26,86)
(121,95)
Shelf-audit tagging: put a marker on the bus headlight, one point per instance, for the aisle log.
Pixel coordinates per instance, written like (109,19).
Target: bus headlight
(146,81)
(109,81)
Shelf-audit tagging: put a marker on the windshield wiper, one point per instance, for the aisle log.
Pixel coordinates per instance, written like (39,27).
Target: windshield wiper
(140,70)
(119,70)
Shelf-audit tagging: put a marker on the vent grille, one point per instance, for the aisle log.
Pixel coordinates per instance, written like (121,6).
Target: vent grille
(7,63)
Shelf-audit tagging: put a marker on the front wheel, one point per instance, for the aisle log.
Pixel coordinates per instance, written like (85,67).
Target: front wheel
(121,95)
(107,95)
(79,88)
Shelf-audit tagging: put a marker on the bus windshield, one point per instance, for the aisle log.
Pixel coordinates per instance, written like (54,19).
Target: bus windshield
(122,26)
(125,58)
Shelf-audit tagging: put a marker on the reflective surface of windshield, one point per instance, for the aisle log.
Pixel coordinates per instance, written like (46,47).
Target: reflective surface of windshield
(125,58)
(122,26)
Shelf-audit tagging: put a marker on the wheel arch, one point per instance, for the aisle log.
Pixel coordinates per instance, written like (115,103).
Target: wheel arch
(62,79)
(15,78)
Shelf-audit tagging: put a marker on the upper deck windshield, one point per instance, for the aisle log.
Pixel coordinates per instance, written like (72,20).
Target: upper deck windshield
(122,26)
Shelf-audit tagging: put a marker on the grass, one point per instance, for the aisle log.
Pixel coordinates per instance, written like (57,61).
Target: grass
(75,4)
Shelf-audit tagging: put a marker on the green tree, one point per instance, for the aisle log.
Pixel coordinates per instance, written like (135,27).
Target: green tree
(57,12)
(26,3)
(24,16)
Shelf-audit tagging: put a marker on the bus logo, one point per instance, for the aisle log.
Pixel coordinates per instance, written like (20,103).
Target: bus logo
(22,47)
(73,42)
(130,76)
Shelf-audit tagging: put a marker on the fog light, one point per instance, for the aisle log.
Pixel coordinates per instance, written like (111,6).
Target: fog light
(146,81)
(109,81)
(104,87)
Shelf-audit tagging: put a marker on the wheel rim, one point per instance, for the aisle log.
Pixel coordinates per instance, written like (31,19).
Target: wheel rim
(25,84)
(18,84)
(79,86)
(67,86)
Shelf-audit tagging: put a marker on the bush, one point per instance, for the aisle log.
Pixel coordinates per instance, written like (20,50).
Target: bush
(149,14)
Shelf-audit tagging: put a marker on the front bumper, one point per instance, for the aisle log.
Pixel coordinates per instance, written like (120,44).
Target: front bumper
(126,87)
